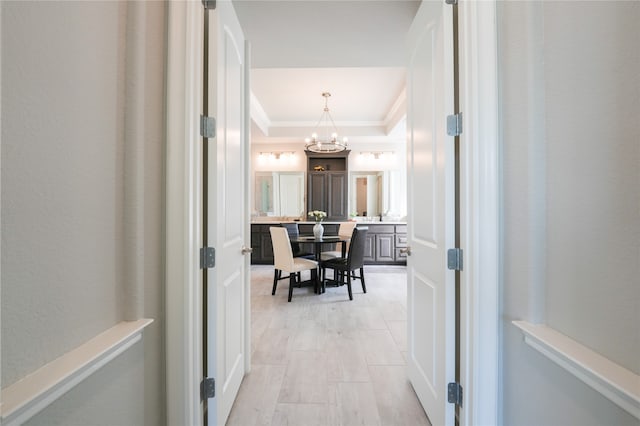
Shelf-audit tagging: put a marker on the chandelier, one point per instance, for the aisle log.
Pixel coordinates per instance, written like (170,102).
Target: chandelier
(328,142)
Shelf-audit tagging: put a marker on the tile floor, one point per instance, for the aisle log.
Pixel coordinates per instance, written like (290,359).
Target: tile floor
(325,360)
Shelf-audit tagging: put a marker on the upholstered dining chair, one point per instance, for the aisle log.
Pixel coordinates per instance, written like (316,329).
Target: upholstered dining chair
(345,267)
(293,231)
(284,262)
(345,230)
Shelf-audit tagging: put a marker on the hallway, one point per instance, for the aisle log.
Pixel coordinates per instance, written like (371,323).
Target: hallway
(323,360)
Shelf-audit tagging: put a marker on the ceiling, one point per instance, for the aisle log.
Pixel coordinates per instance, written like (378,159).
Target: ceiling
(353,49)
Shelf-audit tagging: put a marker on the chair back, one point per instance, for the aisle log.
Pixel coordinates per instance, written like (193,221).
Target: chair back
(282,253)
(346,230)
(292,229)
(355,258)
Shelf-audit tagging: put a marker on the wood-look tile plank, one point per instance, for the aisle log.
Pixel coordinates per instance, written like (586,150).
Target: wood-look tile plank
(305,380)
(346,359)
(398,330)
(380,348)
(273,347)
(256,401)
(300,414)
(396,401)
(356,405)
(325,360)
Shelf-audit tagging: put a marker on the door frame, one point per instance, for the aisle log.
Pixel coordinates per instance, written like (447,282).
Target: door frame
(480,201)
(481,218)
(183,277)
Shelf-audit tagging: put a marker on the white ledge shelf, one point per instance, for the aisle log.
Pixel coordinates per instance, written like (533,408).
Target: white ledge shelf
(618,384)
(28,396)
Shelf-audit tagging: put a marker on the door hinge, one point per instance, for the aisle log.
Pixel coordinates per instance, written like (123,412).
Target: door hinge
(451,1)
(454,393)
(207,127)
(454,259)
(207,388)
(209,4)
(207,257)
(454,124)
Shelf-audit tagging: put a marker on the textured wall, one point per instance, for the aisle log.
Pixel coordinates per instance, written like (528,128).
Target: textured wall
(569,87)
(65,92)
(62,169)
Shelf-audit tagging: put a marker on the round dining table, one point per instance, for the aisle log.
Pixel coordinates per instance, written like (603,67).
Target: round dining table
(318,243)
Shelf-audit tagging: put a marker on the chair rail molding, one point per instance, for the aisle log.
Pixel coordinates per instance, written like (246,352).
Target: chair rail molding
(619,385)
(30,395)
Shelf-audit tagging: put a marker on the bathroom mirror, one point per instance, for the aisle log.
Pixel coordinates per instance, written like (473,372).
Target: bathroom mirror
(367,195)
(279,194)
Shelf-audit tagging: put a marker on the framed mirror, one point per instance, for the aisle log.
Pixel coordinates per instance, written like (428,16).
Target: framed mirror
(279,194)
(263,201)
(367,194)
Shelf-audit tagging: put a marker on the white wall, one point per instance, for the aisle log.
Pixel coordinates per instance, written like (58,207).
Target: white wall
(570,88)
(65,94)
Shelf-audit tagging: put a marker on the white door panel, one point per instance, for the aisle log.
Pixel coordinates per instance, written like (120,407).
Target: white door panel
(226,289)
(431,225)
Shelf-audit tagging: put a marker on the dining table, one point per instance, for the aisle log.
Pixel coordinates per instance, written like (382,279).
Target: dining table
(318,243)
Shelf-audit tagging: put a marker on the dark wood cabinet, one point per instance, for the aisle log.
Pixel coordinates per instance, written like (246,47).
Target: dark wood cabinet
(385,248)
(401,242)
(382,247)
(261,244)
(383,244)
(327,184)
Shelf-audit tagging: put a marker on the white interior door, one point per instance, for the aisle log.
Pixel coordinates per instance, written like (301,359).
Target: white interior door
(431,224)
(227,212)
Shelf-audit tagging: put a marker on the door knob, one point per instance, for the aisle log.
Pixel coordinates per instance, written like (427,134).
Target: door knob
(406,250)
(247,250)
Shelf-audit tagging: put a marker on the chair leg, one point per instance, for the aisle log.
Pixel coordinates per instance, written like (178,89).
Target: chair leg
(276,274)
(314,278)
(292,282)
(364,287)
(349,285)
(323,283)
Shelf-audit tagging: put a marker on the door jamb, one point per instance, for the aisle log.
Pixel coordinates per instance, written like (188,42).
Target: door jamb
(183,280)
(480,213)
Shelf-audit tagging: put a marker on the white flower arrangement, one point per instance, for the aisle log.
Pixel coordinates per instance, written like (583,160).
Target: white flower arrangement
(318,215)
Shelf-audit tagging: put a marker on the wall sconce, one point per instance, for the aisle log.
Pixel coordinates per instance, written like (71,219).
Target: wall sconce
(377,155)
(287,156)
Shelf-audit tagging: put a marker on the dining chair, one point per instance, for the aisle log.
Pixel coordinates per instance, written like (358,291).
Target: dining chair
(293,231)
(345,230)
(345,267)
(284,262)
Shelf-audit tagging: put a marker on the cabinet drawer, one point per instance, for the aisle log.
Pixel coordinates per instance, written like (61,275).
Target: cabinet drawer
(381,229)
(401,240)
(401,229)
(400,257)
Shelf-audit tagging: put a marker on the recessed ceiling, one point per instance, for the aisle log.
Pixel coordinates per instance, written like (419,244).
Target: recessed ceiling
(300,48)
